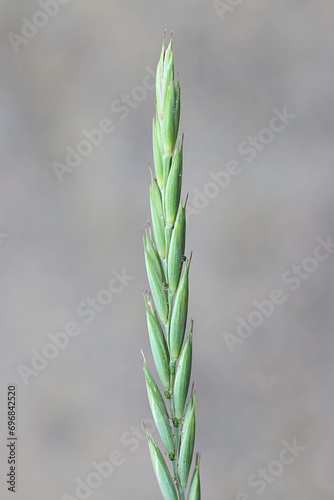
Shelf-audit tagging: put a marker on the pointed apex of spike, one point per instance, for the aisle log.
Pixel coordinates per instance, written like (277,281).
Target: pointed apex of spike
(188,262)
(145,297)
(163,46)
(148,301)
(169,52)
(153,178)
(190,335)
(150,169)
(149,229)
(143,360)
(146,428)
(180,143)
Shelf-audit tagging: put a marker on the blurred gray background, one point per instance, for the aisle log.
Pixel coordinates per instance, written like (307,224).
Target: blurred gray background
(62,237)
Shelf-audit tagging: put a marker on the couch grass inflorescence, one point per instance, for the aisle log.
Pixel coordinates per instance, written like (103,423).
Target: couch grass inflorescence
(167,301)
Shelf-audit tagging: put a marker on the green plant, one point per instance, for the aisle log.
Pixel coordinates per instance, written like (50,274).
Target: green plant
(167,302)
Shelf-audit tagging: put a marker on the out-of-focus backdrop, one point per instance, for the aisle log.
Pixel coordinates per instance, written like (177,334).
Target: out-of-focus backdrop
(257,113)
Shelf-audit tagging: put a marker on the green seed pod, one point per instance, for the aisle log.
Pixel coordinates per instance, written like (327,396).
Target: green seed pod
(182,377)
(159,412)
(187,442)
(169,62)
(166,162)
(166,83)
(177,109)
(176,249)
(159,79)
(168,121)
(152,250)
(167,77)
(157,288)
(161,470)
(158,220)
(157,154)
(158,344)
(173,187)
(195,485)
(179,315)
